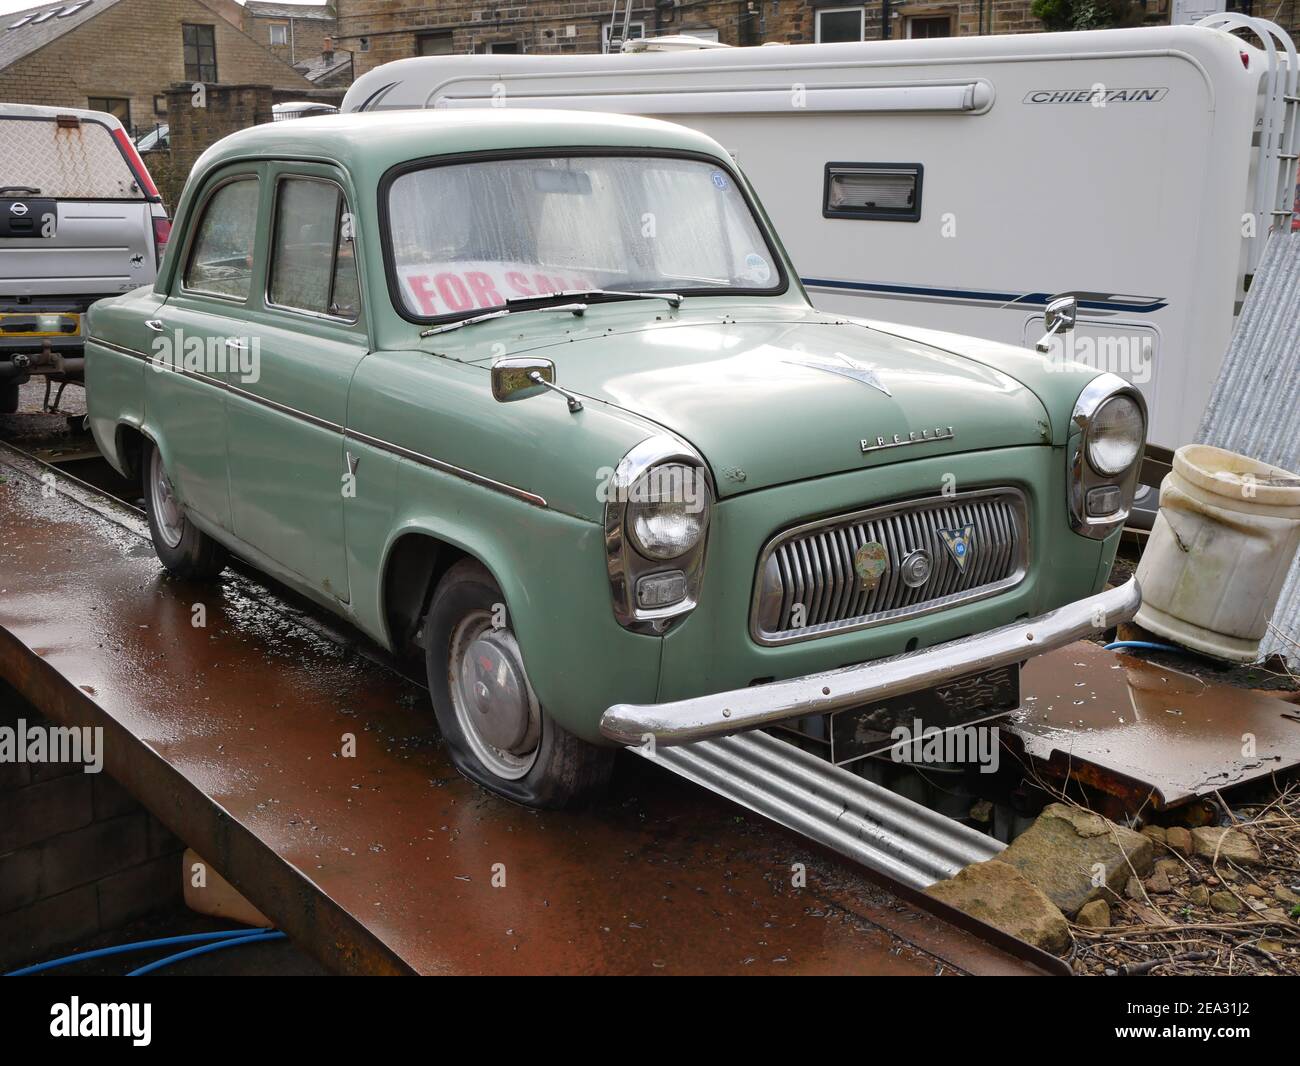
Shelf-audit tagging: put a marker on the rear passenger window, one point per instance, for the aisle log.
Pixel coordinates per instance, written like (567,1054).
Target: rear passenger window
(222,260)
(312,263)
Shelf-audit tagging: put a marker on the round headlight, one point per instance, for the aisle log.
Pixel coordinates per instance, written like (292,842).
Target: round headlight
(1115,436)
(668,510)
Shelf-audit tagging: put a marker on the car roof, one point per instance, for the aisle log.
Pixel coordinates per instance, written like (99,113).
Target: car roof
(369,143)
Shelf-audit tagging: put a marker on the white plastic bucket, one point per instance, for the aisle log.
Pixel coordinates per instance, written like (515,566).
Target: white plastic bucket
(1222,543)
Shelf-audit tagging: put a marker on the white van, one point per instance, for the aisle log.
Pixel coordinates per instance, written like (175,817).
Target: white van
(80,219)
(960,183)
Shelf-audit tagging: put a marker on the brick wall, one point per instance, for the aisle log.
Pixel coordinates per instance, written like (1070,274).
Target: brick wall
(78,855)
(134,50)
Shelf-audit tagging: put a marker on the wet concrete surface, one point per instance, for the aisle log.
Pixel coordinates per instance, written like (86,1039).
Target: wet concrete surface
(312,777)
(1136,728)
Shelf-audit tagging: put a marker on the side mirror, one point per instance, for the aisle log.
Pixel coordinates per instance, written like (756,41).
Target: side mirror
(1061,315)
(518,377)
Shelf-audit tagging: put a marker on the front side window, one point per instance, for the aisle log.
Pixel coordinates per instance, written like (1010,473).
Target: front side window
(200,46)
(312,263)
(471,236)
(221,263)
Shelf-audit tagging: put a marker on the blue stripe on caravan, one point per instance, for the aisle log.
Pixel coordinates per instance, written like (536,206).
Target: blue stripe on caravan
(1024,299)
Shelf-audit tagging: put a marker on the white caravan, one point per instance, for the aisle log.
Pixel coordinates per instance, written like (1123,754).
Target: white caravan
(958,184)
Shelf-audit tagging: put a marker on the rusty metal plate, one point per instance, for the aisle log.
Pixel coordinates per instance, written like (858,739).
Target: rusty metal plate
(235,734)
(1152,728)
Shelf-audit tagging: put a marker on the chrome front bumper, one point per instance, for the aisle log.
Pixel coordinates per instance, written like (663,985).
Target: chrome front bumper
(700,717)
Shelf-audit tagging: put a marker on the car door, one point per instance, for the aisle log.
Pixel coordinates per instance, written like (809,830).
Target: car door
(287,408)
(190,336)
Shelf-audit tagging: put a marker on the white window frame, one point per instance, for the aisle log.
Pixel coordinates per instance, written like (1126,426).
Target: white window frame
(283,27)
(862,20)
(607,31)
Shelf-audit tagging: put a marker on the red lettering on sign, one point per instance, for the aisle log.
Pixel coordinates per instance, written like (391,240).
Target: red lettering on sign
(519,283)
(453,292)
(484,289)
(420,286)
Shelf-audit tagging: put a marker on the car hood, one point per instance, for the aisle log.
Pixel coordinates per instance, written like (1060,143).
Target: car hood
(771,402)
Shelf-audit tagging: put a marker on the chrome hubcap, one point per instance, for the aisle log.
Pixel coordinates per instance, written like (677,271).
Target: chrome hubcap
(167,512)
(495,706)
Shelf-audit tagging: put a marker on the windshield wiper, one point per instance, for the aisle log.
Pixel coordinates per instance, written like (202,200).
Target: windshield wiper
(671,298)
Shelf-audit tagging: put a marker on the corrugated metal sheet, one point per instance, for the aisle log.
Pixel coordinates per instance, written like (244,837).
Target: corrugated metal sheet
(1254,408)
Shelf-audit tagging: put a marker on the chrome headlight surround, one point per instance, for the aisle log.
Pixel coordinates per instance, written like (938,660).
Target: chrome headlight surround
(1081,477)
(627,565)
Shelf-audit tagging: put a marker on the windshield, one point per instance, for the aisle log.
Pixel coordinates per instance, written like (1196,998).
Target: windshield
(471,236)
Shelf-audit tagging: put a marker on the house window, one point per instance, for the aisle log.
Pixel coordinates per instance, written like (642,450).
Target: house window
(200,52)
(920,26)
(433,44)
(117,106)
(506,48)
(363,44)
(160,104)
(836,24)
(635,31)
(279,33)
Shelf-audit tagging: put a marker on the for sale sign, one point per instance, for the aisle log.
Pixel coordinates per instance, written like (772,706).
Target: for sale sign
(434,289)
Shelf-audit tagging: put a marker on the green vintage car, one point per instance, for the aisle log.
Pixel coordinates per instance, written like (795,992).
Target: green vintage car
(539,398)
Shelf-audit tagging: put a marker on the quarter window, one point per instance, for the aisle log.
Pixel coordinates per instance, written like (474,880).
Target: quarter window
(313,266)
(200,52)
(222,261)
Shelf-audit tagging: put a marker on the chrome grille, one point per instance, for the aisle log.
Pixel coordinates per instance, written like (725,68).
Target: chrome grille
(810,569)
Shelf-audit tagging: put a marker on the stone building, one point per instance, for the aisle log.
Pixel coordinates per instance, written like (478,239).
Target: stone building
(378,31)
(294,32)
(122,56)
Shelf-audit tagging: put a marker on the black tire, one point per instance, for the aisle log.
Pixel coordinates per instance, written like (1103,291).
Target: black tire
(195,554)
(565,770)
(8,397)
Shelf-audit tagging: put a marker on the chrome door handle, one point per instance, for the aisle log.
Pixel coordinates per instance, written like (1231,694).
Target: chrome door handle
(154,324)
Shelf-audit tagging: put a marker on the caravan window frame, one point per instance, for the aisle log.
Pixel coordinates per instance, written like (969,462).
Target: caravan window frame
(877,214)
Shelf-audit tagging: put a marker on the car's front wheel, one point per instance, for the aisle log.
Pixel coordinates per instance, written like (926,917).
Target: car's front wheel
(497,732)
(183,548)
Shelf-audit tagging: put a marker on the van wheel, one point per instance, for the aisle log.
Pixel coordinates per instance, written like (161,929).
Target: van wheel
(497,732)
(183,548)
(8,398)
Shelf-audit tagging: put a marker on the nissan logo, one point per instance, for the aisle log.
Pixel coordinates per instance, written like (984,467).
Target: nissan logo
(18,209)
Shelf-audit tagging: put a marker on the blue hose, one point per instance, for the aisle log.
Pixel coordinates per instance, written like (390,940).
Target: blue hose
(1149,645)
(259,937)
(139,945)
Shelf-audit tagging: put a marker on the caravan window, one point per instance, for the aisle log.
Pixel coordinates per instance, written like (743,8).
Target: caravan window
(873,191)
(470,236)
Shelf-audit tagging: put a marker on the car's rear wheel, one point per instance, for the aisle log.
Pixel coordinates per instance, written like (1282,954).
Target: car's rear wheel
(183,548)
(497,732)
